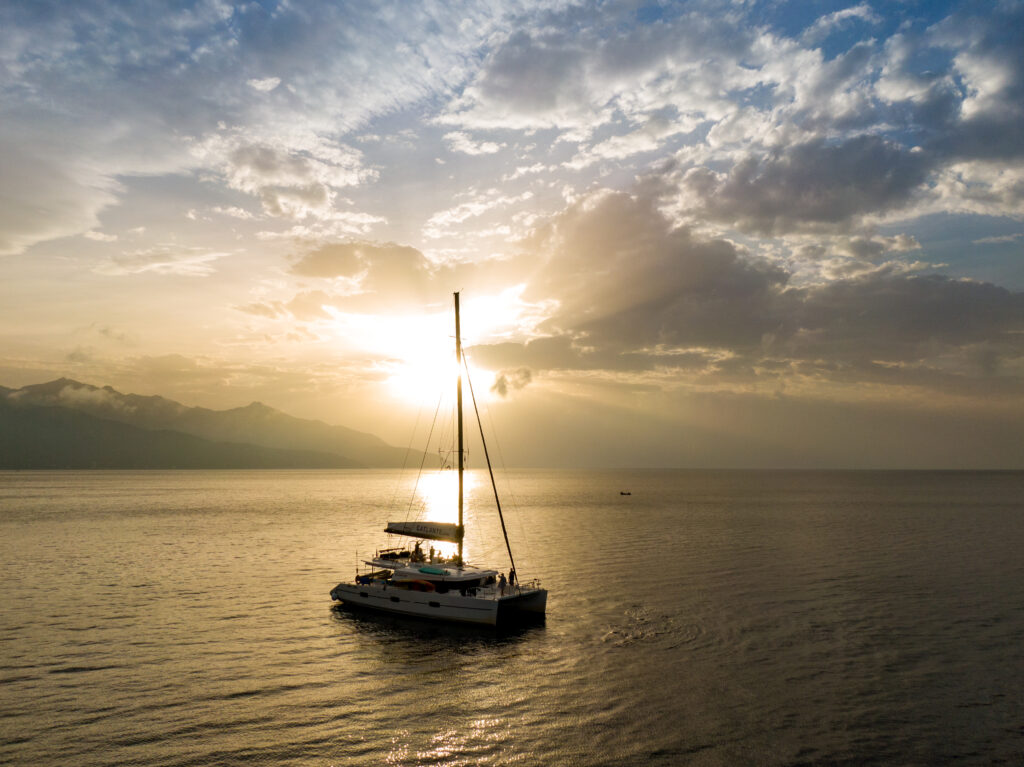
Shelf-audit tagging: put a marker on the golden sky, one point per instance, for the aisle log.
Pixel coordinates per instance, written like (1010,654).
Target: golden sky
(687,234)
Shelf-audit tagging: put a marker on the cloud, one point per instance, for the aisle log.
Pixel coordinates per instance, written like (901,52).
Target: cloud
(576,72)
(163,259)
(380,269)
(265,84)
(296,177)
(87,100)
(309,306)
(1000,240)
(525,170)
(620,271)
(895,316)
(259,95)
(233,211)
(449,222)
(100,236)
(262,100)
(868,247)
(511,380)
(112,334)
(271,310)
(635,293)
(338,260)
(382,278)
(647,138)
(89,398)
(964,113)
(376,277)
(528,81)
(837,134)
(990,64)
(982,187)
(814,185)
(328,226)
(73,395)
(825,25)
(47,194)
(459,141)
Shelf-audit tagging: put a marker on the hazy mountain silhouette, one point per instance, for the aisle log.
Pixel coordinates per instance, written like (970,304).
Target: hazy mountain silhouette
(254,426)
(39,437)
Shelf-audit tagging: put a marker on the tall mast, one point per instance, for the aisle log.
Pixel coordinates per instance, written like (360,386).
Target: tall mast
(458,407)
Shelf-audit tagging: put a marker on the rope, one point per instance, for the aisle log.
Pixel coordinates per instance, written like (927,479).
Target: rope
(490,471)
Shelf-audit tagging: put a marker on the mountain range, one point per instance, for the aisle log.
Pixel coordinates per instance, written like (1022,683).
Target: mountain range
(65,424)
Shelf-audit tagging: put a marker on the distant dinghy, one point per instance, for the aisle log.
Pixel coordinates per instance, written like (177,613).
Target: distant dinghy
(408,581)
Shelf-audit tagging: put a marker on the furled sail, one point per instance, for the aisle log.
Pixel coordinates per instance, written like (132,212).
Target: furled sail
(434,531)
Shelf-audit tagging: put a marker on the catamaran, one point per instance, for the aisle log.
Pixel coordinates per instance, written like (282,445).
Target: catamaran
(410,581)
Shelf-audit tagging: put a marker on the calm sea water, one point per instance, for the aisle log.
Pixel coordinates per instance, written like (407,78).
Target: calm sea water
(710,618)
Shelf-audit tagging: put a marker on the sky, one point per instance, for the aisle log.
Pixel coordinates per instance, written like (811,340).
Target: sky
(723,233)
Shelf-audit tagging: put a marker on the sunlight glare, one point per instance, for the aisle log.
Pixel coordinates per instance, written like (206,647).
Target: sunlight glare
(419,350)
(439,494)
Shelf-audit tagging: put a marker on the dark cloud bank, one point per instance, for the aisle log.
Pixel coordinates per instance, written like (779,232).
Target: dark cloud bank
(637,294)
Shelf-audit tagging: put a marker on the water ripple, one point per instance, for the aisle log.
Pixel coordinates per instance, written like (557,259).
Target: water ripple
(709,618)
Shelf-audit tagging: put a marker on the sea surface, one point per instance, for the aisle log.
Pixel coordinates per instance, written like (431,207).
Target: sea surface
(708,618)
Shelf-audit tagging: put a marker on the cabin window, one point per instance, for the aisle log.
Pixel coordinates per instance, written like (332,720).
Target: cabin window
(363,594)
(395,599)
(434,604)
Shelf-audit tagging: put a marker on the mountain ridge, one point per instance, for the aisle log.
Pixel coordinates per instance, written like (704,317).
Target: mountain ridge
(255,424)
(47,437)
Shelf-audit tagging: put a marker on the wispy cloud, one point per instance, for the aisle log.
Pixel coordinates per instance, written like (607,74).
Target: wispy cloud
(445,222)
(826,24)
(1003,239)
(459,141)
(164,259)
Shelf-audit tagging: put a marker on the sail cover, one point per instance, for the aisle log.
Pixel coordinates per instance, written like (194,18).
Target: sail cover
(435,531)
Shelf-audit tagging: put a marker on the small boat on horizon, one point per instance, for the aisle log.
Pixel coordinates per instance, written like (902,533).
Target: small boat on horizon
(406,580)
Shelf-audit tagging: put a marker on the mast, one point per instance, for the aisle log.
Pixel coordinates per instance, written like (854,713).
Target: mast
(458,407)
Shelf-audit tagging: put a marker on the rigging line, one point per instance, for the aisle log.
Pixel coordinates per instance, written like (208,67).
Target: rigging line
(423,460)
(405,458)
(490,471)
(518,516)
(508,484)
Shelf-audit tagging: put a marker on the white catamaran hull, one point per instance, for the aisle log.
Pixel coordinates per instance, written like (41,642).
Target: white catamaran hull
(489,610)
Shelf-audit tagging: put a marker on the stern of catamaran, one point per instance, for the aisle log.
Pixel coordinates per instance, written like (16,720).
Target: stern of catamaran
(524,603)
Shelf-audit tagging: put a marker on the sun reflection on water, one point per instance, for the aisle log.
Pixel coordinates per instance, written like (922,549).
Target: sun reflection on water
(438,492)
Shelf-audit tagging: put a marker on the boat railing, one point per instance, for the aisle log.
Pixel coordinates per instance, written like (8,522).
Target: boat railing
(414,555)
(530,585)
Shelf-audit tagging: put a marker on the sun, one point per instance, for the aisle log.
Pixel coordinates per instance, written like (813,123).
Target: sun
(422,380)
(417,351)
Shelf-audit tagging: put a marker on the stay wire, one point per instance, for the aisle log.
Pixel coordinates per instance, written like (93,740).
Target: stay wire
(514,501)
(483,443)
(423,460)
